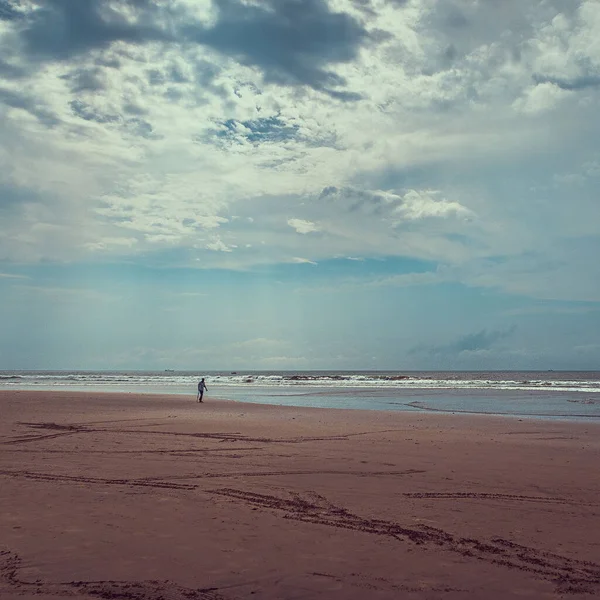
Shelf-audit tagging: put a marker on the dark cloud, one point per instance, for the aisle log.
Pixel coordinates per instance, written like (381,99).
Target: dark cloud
(131,108)
(176,75)
(206,73)
(580,82)
(345,96)
(328,191)
(291,41)
(355,200)
(133,125)
(156,77)
(108,61)
(28,104)
(167,75)
(471,342)
(454,17)
(481,340)
(139,127)
(62,29)
(12,197)
(364,6)
(461,26)
(86,80)
(464,25)
(10,71)
(88,113)
(8,12)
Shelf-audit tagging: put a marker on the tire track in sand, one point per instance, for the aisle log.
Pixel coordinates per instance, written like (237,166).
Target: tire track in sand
(97,480)
(494,496)
(567,574)
(219,436)
(11,564)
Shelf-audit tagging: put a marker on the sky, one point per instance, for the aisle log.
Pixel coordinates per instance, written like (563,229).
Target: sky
(299,184)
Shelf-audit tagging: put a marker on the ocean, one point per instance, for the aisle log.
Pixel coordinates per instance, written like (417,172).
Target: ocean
(572,395)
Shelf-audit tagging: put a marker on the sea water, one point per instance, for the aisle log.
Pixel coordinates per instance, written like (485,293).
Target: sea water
(543,394)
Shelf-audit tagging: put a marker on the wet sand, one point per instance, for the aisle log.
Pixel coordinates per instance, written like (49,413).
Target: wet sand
(146,497)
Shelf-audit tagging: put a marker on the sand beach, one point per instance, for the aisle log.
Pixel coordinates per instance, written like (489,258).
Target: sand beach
(134,496)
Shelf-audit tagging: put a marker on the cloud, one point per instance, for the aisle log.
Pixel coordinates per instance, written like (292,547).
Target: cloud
(409,279)
(63,29)
(133,125)
(217,245)
(8,10)
(135,129)
(565,51)
(470,343)
(302,226)
(552,309)
(588,170)
(541,97)
(577,83)
(401,206)
(256,131)
(301,261)
(424,204)
(86,112)
(109,242)
(29,104)
(290,41)
(87,79)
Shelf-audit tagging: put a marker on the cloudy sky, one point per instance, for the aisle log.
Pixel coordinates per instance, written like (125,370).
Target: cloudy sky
(299,184)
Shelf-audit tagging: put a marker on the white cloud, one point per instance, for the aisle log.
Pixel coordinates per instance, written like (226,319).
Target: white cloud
(540,98)
(107,242)
(134,149)
(302,226)
(425,204)
(217,245)
(299,260)
(589,170)
(566,48)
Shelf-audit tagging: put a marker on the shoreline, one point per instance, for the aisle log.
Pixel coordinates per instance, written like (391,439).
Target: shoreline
(413,407)
(110,494)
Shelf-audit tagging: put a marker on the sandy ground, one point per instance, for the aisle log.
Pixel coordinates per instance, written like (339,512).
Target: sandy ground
(156,497)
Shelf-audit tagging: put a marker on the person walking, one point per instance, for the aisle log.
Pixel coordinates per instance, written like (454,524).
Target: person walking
(201,388)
